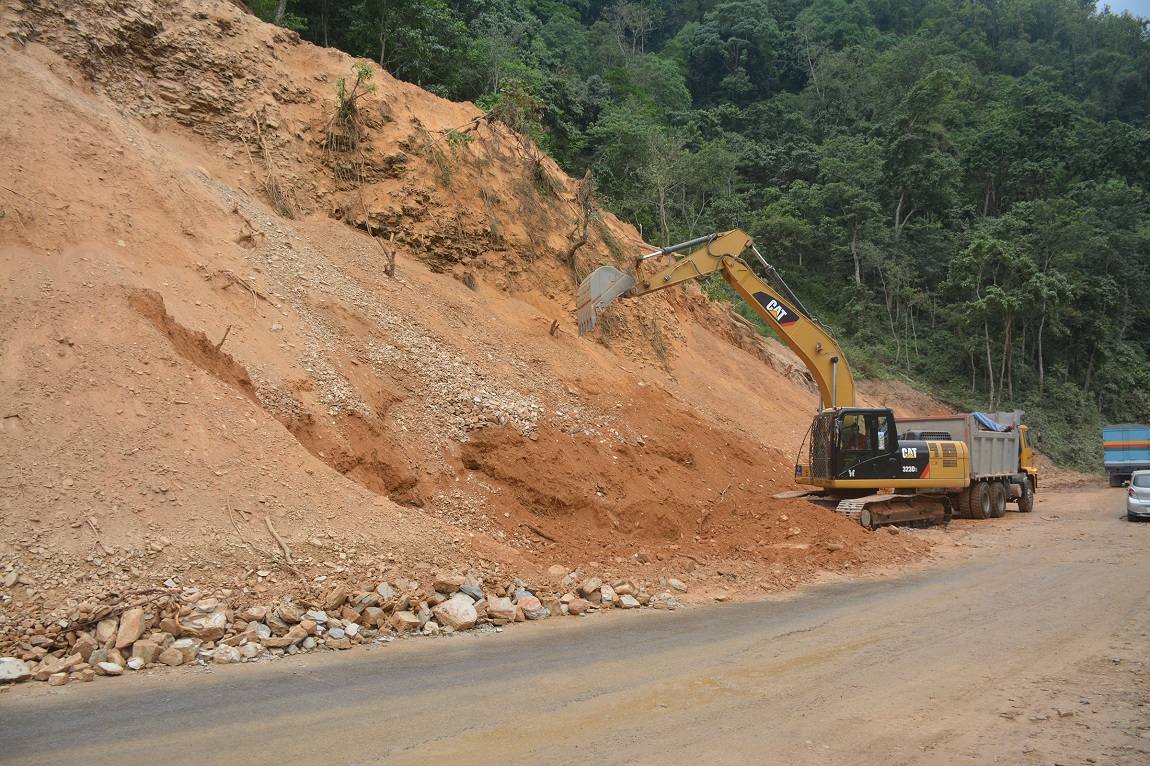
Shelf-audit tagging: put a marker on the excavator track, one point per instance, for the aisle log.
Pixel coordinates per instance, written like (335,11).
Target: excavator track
(872,511)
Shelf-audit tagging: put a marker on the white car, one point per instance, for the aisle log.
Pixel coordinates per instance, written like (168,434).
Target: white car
(1138,496)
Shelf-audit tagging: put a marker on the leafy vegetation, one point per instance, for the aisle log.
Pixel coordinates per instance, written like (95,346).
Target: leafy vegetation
(960,189)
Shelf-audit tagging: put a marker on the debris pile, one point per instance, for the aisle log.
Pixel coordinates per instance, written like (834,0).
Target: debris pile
(170,627)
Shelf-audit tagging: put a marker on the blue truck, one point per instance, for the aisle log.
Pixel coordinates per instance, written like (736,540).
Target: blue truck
(1125,449)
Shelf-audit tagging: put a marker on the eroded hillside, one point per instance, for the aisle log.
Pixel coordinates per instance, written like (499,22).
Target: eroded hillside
(211,387)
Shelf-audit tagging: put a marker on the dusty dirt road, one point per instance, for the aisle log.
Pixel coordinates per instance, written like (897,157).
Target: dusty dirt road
(1028,645)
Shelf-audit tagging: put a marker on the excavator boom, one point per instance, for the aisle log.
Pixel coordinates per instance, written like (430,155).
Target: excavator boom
(720,253)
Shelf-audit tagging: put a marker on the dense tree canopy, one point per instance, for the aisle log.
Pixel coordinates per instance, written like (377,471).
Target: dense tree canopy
(959,187)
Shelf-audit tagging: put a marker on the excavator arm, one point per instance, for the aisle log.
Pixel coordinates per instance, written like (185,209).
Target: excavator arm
(720,253)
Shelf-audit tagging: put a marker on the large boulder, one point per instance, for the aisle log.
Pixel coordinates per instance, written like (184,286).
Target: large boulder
(457,612)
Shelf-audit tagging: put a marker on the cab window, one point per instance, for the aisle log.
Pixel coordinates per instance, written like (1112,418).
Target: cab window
(883,432)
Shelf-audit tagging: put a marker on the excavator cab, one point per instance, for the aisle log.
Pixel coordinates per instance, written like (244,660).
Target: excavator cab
(852,443)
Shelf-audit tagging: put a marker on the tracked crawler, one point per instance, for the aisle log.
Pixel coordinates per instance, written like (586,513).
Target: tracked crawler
(854,459)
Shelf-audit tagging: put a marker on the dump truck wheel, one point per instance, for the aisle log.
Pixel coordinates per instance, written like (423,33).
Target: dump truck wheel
(980,500)
(997,499)
(1026,499)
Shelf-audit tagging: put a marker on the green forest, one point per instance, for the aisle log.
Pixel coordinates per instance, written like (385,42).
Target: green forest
(958,188)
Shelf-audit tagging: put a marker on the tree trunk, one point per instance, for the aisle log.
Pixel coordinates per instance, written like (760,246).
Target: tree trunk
(280,11)
(1089,372)
(989,361)
(1041,362)
(855,251)
(1005,369)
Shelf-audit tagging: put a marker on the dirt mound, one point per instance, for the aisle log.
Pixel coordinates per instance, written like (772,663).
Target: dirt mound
(201,341)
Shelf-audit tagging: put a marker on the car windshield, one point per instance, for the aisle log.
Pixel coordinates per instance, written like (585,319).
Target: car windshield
(1141,480)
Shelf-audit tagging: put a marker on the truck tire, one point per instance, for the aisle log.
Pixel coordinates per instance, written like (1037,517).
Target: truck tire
(997,499)
(980,500)
(1026,499)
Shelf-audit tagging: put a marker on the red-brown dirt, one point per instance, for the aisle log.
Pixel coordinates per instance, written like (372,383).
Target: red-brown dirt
(199,343)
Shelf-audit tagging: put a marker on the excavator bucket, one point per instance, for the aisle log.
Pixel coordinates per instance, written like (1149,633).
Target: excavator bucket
(604,285)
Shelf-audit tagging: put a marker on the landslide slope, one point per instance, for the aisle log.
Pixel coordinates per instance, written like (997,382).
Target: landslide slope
(201,350)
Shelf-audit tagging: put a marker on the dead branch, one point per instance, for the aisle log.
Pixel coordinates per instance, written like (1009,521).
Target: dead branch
(280,540)
(228,508)
(388,254)
(252,232)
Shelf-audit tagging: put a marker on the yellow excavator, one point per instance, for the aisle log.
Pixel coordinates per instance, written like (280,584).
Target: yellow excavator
(852,458)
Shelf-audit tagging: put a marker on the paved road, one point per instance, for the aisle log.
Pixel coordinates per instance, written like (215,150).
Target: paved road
(1035,650)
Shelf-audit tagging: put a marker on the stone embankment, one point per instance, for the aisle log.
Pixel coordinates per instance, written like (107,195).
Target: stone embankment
(171,627)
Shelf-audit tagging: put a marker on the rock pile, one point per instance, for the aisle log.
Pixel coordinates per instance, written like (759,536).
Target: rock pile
(172,627)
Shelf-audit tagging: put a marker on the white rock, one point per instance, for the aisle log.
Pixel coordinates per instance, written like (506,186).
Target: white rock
(109,669)
(629,602)
(226,655)
(136,663)
(677,585)
(13,670)
(253,650)
(457,612)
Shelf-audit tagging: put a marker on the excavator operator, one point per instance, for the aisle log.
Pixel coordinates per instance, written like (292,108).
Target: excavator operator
(854,435)
(854,442)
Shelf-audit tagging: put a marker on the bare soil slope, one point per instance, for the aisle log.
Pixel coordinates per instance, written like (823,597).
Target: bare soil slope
(200,348)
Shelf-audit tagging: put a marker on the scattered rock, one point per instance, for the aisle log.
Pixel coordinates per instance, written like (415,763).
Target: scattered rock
(335,598)
(532,608)
(578,606)
(106,631)
(402,622)
(296,634)
(171,657)
(84,646)
(146,652)
(501,611)
(226,655)
(589,586)
(131,627)
(448,584)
